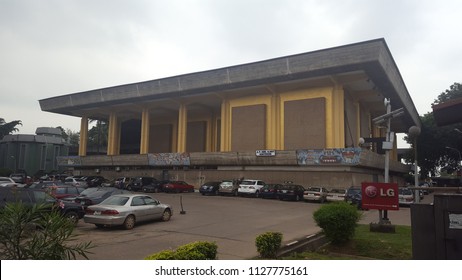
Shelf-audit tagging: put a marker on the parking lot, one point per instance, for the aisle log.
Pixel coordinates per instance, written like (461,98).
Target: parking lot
(232,222)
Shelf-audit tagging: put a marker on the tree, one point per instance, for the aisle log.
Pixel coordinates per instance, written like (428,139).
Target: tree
(7,128)
(432,152)
(34,233)
(97,135)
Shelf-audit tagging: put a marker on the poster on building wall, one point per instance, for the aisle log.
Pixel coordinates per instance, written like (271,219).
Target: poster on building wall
(328,156)
(169,159)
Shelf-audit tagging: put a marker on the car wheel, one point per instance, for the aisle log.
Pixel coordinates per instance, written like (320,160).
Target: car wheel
(235,193)
(257,194)
(166,215)
(73,216)
(129,222)
(156,190)
(297,198)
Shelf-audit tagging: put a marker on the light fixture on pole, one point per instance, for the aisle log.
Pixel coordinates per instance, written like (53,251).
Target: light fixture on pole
(414,132)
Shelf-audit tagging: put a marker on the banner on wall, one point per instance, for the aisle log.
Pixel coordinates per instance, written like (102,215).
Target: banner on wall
(329,156)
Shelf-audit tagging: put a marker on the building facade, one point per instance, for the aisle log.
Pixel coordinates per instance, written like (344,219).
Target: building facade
(35,154)
(306,118)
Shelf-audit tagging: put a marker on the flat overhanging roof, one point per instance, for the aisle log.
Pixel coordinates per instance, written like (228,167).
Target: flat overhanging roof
(448,113)
(371,59)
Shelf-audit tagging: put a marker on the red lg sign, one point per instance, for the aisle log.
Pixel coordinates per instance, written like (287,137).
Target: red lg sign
(382,196)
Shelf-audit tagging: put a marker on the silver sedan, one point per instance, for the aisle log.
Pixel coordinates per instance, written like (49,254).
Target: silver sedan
(126,210)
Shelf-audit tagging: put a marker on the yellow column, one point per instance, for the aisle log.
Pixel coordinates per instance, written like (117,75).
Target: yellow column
(144,145)
(335,118)
(83,136)
(182,128)
(225,144)
(112,139)
(209,134)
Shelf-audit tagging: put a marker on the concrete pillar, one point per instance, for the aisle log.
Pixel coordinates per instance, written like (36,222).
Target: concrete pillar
(182,128)
(83,136)
(113,138)
(144,145)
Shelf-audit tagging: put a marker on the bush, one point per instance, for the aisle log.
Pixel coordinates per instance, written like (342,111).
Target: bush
(35,233)
(268,244)
(199,250)
(162,255)
(338,221)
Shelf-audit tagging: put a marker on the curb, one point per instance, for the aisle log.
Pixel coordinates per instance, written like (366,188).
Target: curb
(310,242)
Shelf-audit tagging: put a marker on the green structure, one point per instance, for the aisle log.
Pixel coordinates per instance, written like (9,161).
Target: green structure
(34,154)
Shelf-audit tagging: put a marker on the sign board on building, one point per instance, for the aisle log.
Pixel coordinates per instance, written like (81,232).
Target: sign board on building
(265,153)
(382,196)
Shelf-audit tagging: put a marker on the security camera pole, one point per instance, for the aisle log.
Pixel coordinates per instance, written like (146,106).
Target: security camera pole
(387,145)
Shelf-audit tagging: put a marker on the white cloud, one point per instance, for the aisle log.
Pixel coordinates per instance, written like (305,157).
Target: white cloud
(53,47)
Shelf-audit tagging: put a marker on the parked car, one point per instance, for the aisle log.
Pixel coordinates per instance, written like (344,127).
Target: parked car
(178,186)
(126,210)
(155,186)
(122,182)
(63,191)
(210,188)
(270,191)
(336,194)
(32,197)
(7,182)
(138,183)
(94,181)
(291,192)
(354,196)
(19,178)
(97,195)
(250,187)
(76,182)
(228,187)
(405,196)
(318,194)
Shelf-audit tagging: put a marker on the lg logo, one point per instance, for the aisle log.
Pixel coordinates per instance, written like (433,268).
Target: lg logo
(373,191)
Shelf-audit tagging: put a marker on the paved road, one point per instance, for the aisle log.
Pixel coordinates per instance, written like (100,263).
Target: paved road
(232,222)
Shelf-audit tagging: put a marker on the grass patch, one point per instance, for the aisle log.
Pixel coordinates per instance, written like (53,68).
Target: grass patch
(366,245)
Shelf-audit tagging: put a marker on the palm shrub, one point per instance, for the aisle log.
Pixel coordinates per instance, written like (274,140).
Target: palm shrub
(337,221)
(268,244)
(35,232)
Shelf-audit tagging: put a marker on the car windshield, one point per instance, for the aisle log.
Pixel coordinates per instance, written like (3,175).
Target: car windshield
(337,191)
(405,191)
(314,189)
(115,200)
(248,182)
(88,191)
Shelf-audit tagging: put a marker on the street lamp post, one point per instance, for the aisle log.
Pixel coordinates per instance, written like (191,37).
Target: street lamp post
(414,132)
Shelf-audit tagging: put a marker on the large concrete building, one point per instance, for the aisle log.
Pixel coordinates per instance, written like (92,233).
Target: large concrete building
(35,154)
(297,118)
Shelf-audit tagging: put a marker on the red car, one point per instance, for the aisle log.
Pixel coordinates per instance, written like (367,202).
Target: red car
(178,186)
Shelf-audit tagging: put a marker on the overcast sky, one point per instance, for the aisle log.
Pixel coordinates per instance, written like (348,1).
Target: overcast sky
(56,47)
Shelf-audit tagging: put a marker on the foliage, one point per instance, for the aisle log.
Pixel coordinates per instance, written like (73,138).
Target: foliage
(97,136)
(8,127)
(38,234)
(268,244)
(432,152)
(366,245)
(337,221)
(199,250)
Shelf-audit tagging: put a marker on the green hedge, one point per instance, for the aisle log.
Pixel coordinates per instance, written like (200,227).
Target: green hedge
(268,244)
(338,221)
(199,250)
